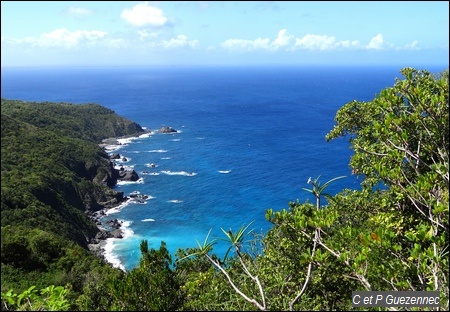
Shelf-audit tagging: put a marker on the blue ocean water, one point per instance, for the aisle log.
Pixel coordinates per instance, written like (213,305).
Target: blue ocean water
(248,140)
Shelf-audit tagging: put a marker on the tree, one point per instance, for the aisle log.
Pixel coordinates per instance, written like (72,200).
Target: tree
(50,298)
(152,286)
(400,140)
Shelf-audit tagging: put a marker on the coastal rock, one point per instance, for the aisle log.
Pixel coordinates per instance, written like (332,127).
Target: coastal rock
(117,233)
(128,175)
(167,129)
(100,236)
(114,223)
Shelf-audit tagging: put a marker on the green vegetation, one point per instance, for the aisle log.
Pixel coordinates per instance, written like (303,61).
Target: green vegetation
(50,298)
(53,172)
(390,235)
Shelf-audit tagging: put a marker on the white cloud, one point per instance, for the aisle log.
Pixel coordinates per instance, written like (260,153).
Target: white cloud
(145,34)
(158,39)
(347,44)
(241,45)
(316,42)
(412,46)
(62,38)
(377,43)
(289,43)
(260,43)
(283,39)
(68,39)
(309,42)
(179,41)
(143,14)
(78,12)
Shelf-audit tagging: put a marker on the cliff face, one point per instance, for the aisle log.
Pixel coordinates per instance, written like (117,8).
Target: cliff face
(53,171)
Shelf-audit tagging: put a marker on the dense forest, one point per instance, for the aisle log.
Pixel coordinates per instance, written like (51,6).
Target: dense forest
(392,234)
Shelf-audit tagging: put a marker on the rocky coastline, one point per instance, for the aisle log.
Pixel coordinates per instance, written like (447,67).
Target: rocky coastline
(97,243)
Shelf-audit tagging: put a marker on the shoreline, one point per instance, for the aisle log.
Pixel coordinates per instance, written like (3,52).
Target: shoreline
(98,244)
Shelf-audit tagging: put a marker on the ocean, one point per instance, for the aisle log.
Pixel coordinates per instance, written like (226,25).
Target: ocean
(248,139)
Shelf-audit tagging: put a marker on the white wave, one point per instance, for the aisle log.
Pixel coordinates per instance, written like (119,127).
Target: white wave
(175,140)
(139,181)
(200,138)
(224,171)
(125,229)
(184,173)
(112,148)
(175,201)
(158,151)
(151,165)
(166,157)
(139,201)
(147,134)
(149,173)
(135,197)
(118,208)
(148,220)
(126,140)
(124,168)
(110,256)
(121,159)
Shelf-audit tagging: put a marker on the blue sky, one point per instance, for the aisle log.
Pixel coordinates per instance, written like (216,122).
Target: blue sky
(148,33)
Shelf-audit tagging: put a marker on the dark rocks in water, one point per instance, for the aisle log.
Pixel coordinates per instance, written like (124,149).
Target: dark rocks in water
(117,233)
(139,198)
(114,223)
(114,156)
(128,175)
(167,129)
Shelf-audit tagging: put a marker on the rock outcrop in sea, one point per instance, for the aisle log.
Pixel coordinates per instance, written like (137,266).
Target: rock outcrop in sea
(167,129)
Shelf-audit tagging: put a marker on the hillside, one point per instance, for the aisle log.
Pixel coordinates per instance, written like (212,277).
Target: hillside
(53,172)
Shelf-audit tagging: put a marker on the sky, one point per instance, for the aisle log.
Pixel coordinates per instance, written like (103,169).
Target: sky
(149,33)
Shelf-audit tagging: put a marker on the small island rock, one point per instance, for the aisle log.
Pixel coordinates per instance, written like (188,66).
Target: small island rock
(167,129)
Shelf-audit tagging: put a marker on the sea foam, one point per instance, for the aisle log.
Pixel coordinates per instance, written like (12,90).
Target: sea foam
(183,173)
